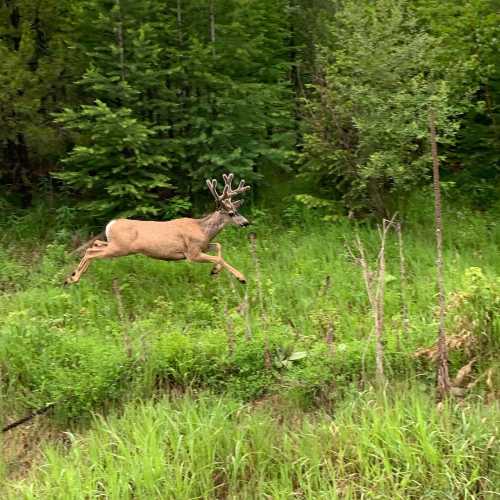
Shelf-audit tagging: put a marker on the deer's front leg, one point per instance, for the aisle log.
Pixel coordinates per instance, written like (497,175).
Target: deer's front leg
(198,256)
(216,247)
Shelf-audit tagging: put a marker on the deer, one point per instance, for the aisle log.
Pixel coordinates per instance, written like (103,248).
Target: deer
(174,240)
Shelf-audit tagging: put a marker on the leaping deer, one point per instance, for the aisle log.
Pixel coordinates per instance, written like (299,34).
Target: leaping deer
(177,239)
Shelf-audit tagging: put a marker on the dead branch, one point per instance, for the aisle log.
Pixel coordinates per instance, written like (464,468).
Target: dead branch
(27,418)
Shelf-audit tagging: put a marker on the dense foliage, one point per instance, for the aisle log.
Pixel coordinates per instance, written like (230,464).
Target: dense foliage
(297,340)
(130,105)
(328,109)
(135,325)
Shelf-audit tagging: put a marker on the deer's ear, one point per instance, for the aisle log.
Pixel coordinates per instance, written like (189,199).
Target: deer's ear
(237,204)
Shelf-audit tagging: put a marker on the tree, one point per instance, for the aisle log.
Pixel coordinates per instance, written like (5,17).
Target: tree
(443,380)
(234,99)
(118,160)
(170,67)
(375,111)
(470,30)
(36,72)
(367,135)
(115,165)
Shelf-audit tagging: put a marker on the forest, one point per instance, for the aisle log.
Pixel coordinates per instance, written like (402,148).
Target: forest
(361,357)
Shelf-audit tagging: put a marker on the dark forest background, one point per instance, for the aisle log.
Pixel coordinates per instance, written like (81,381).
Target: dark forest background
(125,107)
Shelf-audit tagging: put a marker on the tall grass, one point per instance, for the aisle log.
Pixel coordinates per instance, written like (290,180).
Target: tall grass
(375,446)
(69,344)
(177,327)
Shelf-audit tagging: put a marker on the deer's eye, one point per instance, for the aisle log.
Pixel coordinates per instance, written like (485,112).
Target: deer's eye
(231,214)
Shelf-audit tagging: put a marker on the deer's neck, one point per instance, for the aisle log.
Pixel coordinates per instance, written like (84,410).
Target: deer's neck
(212,224)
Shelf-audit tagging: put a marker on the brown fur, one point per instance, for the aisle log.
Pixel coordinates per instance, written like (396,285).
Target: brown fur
(177,239)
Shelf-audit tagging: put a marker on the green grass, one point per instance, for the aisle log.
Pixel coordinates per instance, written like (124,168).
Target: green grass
(375,446)
(182,329)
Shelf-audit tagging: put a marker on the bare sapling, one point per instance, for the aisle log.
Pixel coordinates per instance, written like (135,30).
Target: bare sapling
(243,309)
(443,379)
(256,262)
(329,325)
(179,239)
(402,285)
(230,331)
(375,289)
(127,341)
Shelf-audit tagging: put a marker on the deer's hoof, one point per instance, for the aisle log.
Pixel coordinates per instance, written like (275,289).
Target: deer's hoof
(216,269)
(242,280)
(70,280)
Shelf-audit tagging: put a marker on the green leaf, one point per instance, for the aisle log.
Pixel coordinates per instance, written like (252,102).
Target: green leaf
(297,355)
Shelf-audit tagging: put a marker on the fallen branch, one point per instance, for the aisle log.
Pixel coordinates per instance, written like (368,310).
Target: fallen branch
(29,417)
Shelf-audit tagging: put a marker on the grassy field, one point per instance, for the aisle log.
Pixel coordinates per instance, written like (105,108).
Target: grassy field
(188,447)
(169,383)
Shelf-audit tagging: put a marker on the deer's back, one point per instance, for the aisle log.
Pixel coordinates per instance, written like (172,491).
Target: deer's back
(161,240)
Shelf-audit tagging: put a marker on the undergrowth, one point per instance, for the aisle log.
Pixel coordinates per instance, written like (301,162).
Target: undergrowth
(135,329)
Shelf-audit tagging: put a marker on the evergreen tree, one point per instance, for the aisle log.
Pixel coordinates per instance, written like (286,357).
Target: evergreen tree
(36,72)
(118,161)
(208,81)
(234,99)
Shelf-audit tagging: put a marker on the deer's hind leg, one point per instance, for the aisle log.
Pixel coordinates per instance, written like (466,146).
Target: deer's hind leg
(99,250)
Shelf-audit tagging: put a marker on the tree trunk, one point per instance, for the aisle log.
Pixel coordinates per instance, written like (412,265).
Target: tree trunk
(119,39)
(402,285)
(212,26)
(443,380)
(295,81)
(179,22)
(379,308)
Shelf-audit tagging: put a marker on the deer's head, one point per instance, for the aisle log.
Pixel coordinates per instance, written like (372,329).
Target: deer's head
(225,203)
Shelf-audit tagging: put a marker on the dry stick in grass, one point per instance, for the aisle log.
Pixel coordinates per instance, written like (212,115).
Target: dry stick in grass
(367,278)
(246,313)
(380,295)
(243,309)
(443,379)
(29,417)
(123,318)
(256,261)
(230,331)
(402,285)
(330,327)
(295,330)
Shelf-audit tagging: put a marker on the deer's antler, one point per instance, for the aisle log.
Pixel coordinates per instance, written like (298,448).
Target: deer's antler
(228,192)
